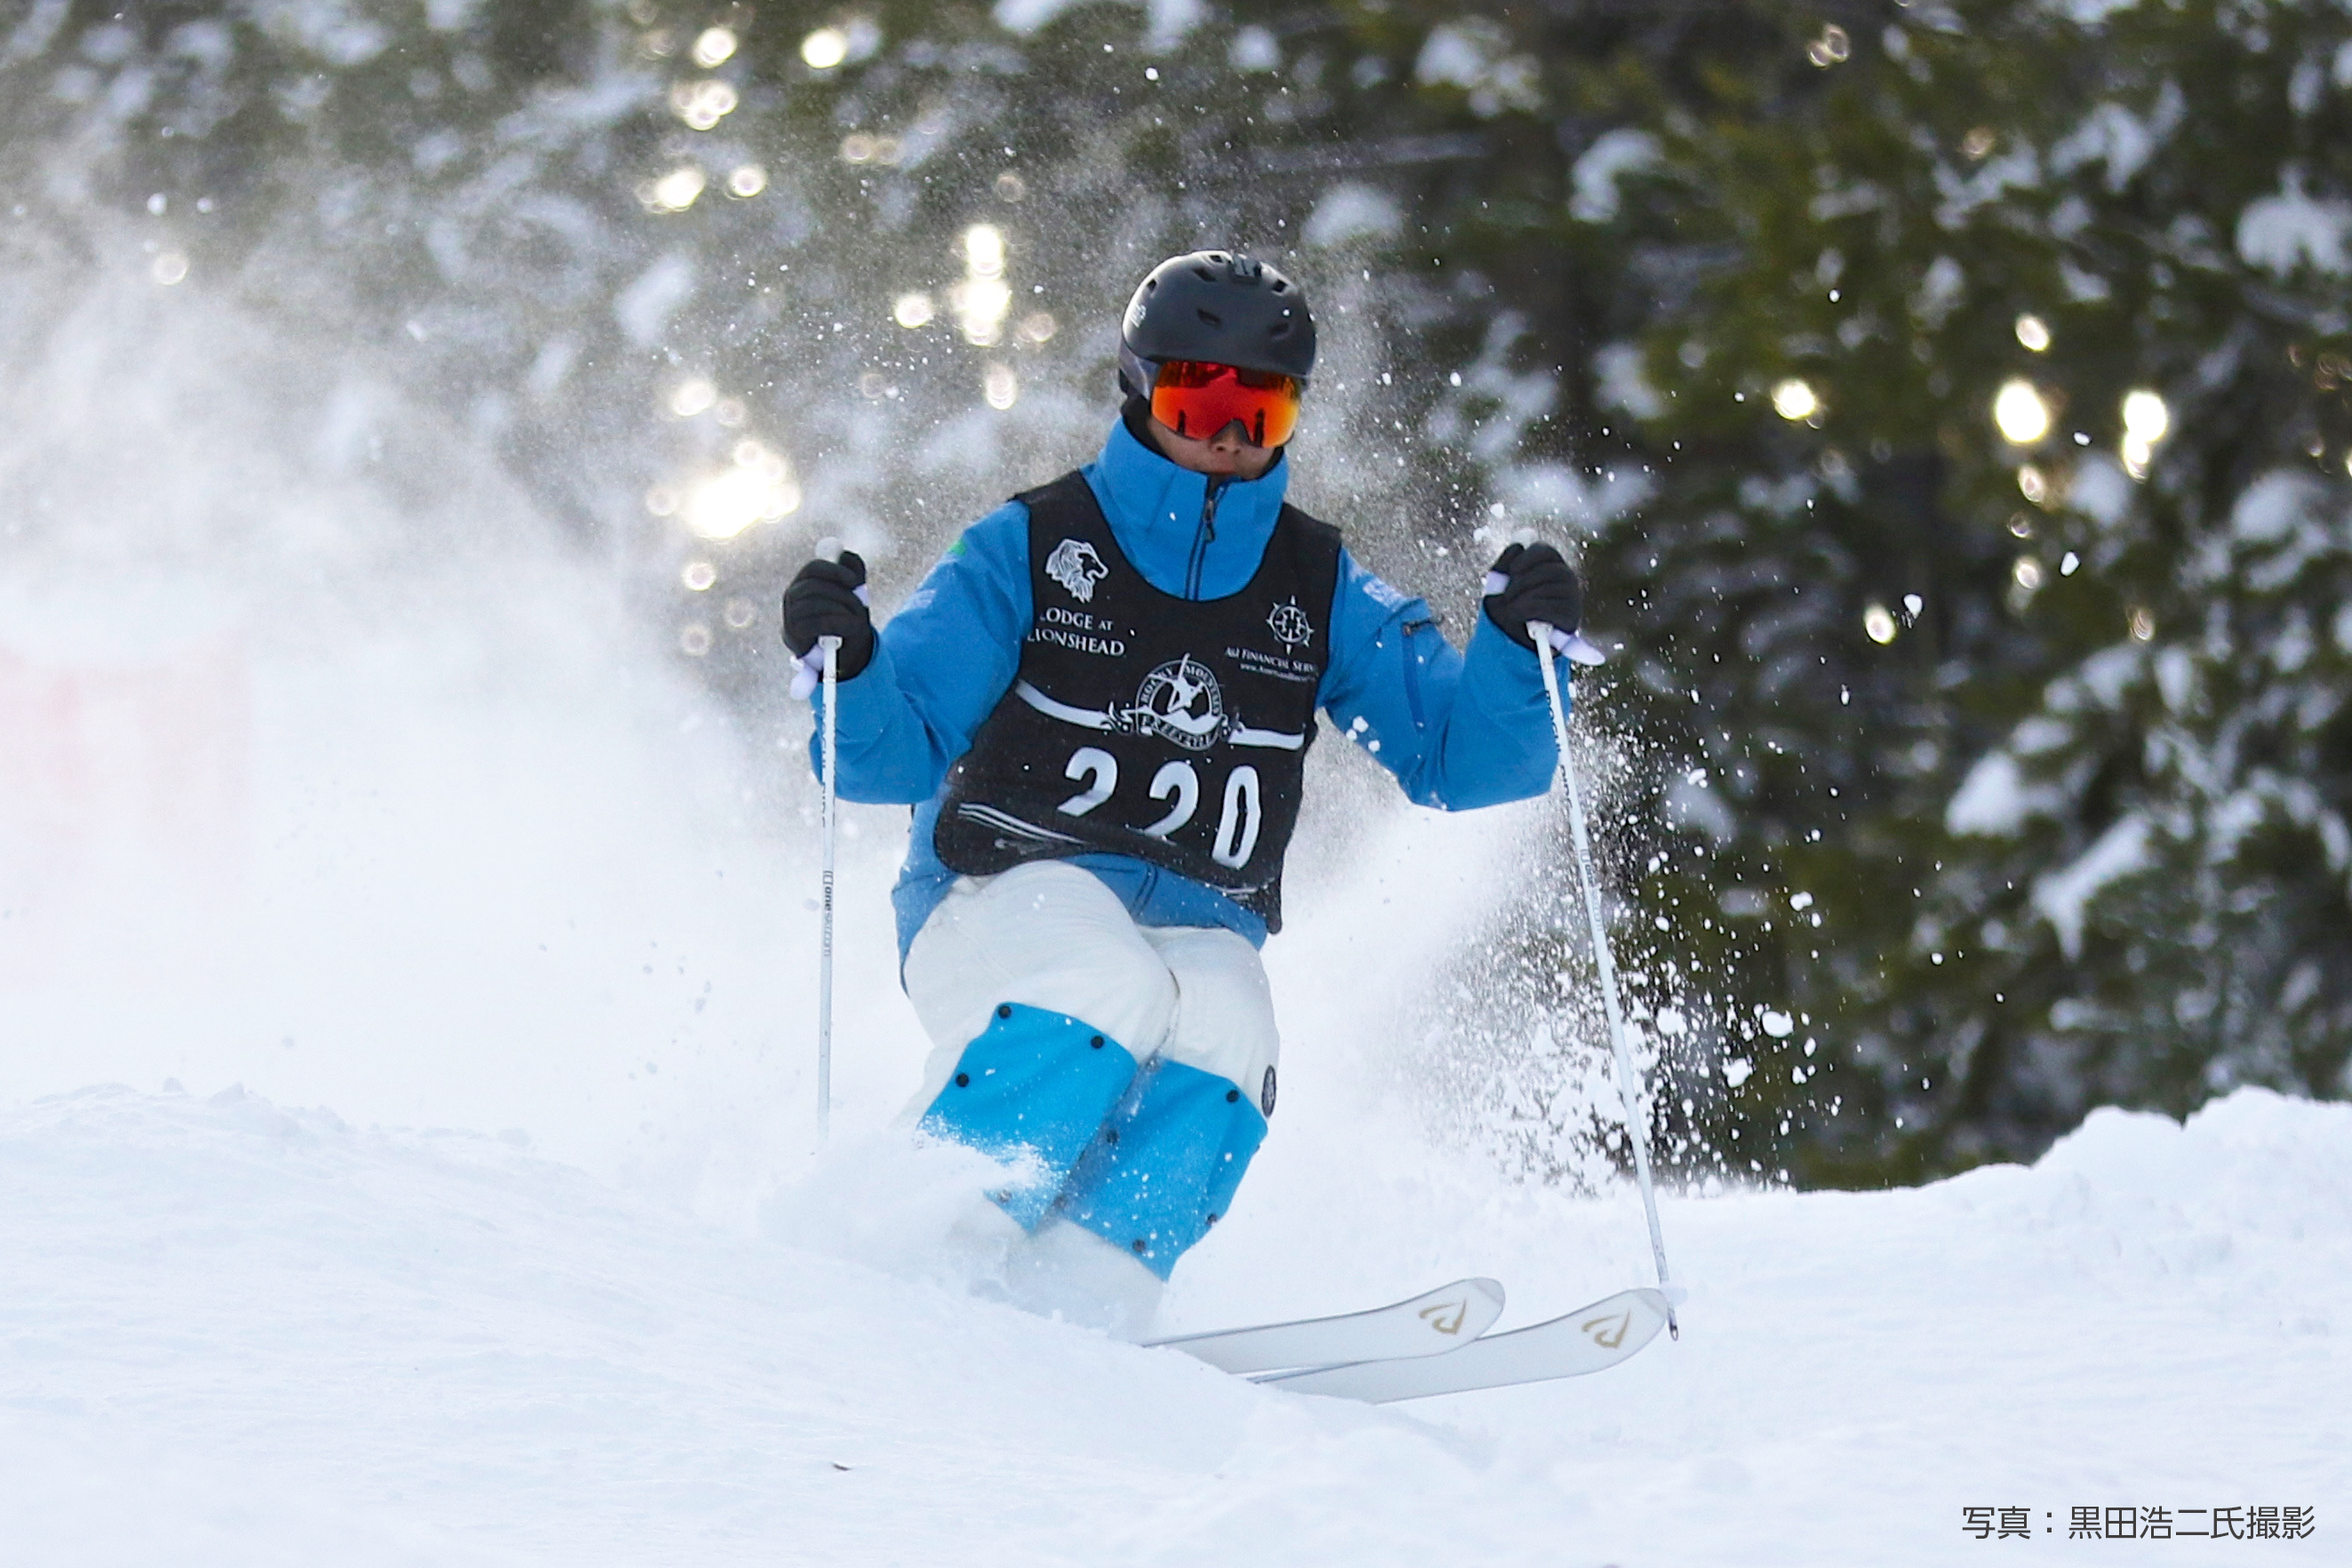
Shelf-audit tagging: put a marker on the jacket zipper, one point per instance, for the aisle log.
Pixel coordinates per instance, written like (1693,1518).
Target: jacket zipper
(1203,538)
(1412,673)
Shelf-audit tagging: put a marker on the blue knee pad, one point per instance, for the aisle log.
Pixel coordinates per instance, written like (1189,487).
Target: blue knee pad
(1165,1168)
(1035,1087)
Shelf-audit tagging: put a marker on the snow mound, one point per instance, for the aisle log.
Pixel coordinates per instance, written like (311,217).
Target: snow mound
(236,1334)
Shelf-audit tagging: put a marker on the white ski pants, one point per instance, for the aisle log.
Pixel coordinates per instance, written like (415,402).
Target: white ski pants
(1050,935)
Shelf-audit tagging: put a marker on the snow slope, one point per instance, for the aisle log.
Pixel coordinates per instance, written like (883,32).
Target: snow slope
(239,1335)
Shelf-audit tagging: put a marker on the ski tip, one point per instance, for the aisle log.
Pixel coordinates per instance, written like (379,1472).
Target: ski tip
(1596,1336)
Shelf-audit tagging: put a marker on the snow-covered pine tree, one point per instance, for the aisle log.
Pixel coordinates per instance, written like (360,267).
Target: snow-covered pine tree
(2013,503)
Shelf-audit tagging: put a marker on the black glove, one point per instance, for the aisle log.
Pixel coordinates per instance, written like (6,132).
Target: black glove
(825,601)
(1536,584)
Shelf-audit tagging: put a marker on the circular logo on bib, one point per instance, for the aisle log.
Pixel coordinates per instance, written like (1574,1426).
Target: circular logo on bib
(1266,1096)
(1289,622)
(1181,702)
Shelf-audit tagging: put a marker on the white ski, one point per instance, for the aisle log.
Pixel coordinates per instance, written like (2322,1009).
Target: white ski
(1586,1340)
(1444,1319)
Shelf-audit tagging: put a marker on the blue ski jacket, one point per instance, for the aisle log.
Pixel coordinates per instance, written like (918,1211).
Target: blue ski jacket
(1457,732)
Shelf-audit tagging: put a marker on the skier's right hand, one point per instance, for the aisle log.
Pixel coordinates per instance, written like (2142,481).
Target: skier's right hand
(827,599)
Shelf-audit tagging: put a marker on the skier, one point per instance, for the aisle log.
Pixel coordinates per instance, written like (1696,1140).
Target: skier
(1100,703)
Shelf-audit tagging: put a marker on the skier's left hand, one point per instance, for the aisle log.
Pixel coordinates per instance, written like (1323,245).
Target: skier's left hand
(1529,582)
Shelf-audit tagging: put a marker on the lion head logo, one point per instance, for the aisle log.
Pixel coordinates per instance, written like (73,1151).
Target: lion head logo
(1076,566)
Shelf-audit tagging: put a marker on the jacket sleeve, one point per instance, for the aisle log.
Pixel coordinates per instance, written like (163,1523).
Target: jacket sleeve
(941,665)
(1458,732)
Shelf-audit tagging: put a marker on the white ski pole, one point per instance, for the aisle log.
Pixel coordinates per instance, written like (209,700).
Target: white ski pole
(1637,1126)
(832,647)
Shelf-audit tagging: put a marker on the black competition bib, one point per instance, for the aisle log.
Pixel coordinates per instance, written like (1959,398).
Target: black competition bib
(1140,723)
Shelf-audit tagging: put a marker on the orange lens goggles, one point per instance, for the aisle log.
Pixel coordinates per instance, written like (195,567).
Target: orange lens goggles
(1200,400)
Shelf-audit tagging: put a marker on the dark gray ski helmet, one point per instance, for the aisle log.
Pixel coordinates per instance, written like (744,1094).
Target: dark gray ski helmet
(1220,308)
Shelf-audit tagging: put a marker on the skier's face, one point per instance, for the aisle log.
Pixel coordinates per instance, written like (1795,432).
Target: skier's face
(1225,455)
(1223,420)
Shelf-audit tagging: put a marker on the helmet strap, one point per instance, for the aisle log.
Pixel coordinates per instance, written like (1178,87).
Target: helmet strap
(1135,413)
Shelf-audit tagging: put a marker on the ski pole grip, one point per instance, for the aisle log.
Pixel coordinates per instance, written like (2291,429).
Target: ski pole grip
(1570,644)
